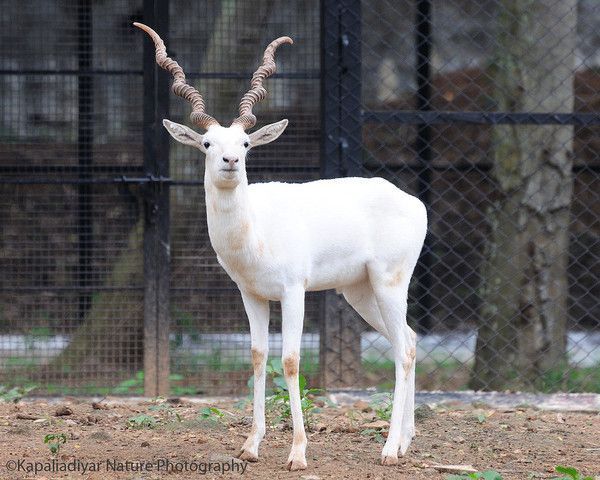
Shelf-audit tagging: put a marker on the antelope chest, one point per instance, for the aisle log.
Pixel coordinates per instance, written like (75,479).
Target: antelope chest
(252,274)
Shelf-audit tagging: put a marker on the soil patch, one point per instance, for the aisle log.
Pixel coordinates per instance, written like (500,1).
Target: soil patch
(520,443)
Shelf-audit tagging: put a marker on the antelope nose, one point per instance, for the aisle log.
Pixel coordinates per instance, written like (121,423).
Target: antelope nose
(231,159)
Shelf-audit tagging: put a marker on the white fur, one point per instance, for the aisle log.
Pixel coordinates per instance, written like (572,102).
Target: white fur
(278,240)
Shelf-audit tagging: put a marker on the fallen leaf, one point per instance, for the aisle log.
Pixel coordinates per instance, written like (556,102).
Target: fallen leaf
(377,424)
(455,468)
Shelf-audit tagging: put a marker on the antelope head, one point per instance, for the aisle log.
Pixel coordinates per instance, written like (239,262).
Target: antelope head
(225,147)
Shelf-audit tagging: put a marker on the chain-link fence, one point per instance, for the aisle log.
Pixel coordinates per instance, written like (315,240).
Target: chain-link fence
(488,111)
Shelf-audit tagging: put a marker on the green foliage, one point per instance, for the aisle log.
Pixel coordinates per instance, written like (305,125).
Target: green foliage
(184,322)
(439,373)
(481,417)
(180,390)
(141,421)
(382,404)
(54,442)
(570,473)
(279,401)
(486,475)
(569,378)
(374,433)
(309,363)
(40,333)
(211,413)
(37,333)
(135,385)
(130,386)
(14,394)
(170,412)
(435,373)
(20,362)
(215,361)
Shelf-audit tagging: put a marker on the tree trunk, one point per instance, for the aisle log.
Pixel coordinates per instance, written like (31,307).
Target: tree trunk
(524,288)
(111,336)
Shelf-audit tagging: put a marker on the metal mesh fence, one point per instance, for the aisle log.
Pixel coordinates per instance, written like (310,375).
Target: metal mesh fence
(507,287)
(69,263)
(488,111)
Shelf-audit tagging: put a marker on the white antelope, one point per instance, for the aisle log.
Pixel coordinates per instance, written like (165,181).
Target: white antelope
(279,240)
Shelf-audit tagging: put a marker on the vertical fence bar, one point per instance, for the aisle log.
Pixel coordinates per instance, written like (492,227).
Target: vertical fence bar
(341,151)
(156,205)
(350,100)
(85,137)
(424,153)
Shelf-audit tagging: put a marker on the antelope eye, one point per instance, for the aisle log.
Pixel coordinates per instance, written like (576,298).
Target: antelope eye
(206,144)
(246,144)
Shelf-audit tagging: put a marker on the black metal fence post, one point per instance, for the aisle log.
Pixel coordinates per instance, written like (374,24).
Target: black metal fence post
(341,155)
(424,153)
(85,138)
(156,218)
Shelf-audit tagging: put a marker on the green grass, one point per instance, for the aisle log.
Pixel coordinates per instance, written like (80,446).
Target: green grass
(486,475)
(450,374)
(20,362)
(569,379)
(189,370)
(432,374)
(215,361)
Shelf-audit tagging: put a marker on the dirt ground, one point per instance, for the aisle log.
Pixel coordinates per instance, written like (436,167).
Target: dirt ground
(520,443)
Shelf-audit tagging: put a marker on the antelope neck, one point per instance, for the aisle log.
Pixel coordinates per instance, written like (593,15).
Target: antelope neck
(229,217)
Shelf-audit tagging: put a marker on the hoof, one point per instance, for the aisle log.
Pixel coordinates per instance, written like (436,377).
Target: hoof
(389,460)
(296,464)
(247,456)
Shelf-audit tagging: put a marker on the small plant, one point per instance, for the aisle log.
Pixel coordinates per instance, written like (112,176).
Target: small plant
(382,404)
(54,441)
(569,473)
(486,475)
(279,401)
(481,417)
(14,394)
(211,413)
(141,421)
(374,433)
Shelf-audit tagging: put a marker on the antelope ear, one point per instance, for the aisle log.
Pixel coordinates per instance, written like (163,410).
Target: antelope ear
(268,133)
(184,134)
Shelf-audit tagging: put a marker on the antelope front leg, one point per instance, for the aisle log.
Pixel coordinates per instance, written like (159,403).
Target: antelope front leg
(292,310)
(258,315)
